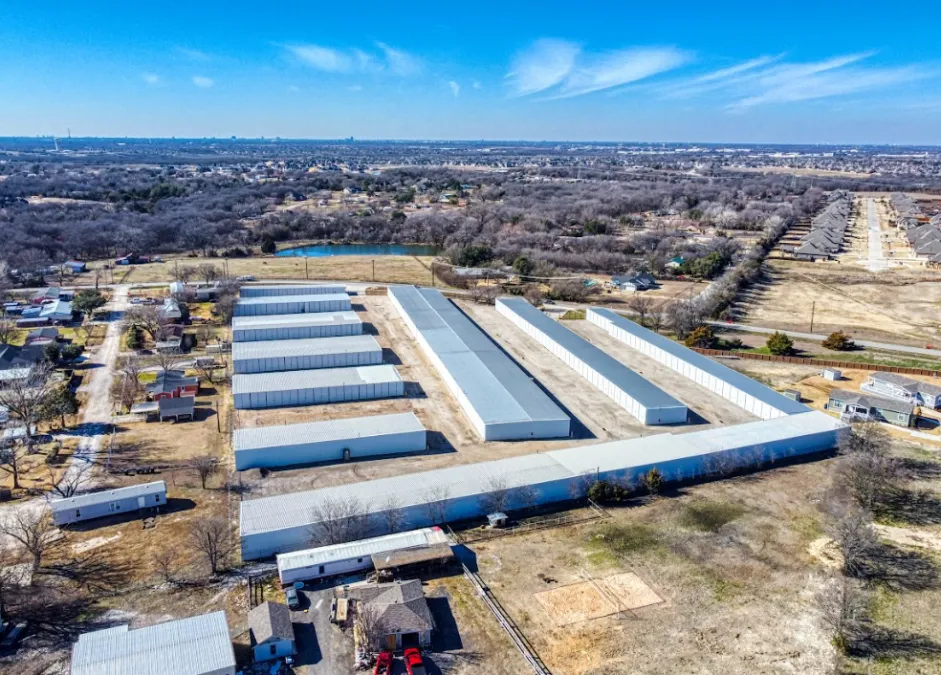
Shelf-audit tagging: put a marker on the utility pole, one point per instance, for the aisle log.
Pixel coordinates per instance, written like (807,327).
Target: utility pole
(813,306)
(432,275)
(374,270)
(218,421)
(306,274)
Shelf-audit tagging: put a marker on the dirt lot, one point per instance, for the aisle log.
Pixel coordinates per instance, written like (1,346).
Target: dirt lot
(895,305)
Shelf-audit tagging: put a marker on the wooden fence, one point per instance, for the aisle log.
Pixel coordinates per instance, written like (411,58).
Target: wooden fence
(820,363)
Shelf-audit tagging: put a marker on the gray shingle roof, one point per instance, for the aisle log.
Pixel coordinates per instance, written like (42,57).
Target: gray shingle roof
(871,401)
(270,621)
(401,606)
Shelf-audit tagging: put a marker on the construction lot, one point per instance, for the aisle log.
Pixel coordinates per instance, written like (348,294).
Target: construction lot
(452,440)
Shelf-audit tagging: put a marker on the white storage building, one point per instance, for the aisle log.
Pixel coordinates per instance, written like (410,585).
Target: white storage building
(199,645)
(283,523)
(327,441)
(108,502)
(641,398)
(354,556)
(731,385)
(309,387)
(273,290)
(500,400)
(292,304)
(295,326)
(330,352)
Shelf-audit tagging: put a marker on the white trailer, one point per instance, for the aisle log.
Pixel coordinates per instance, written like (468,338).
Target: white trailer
(108,502)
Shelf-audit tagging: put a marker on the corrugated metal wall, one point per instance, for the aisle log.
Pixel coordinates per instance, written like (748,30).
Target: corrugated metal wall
(327,304)
(714,384)
(366,357)
(332,450)
(317,395)
(296,332)
(276,291)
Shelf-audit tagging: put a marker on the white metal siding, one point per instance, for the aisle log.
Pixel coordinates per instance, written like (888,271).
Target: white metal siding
(312,354)
(300,304)
(296,326)
(312,387)
(301,289)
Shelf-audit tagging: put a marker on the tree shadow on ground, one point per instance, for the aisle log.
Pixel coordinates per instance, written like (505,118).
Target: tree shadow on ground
(899,569)
(919,469)
(910,507)
(879,642)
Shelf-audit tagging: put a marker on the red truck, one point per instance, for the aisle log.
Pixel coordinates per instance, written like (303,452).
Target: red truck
(413,662)
(383,664)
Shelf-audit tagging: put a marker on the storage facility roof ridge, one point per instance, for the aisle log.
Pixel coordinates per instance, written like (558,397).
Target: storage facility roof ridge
(328,430)
(309,379)
(636,386)
(271,349)
(292,510)
(496,387)
(732,377)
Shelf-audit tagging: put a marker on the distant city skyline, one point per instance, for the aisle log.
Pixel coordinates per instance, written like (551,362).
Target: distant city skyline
(818,73)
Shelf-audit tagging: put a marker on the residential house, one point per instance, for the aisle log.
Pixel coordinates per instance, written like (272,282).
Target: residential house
(42,336)
(402,613)
(172,384)
(856,406)
(57,311)
(634,282)
(675,263)
(75,266)
(903,388)
(271,631)
(17,363)
(177,288)
(45,295)
(199,645)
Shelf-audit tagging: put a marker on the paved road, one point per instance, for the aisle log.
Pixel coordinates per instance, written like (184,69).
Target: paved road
(817,337)
(876,260)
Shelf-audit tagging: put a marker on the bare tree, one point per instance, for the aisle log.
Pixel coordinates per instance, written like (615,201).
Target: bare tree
(207,371)
(166,361)
(225,306)
(25,397)
(436,504)
(339,520)
(866,468)
(534,295)
(165,562)
(851,528)
(12,455)
(208,272)
(7,330)
(392,515)
(527,496)
(211,537)
(31,529)
(496,498)
(129,387)
(369,625)
(148,318)
(843,604)
(642,306)
(205,467)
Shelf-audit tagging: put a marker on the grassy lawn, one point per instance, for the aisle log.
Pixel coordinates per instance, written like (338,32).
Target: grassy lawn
(861,357)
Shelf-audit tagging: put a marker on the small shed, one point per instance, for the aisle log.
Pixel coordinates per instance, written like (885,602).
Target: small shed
(793,394)
(271,630)
(180,408)
(832,374)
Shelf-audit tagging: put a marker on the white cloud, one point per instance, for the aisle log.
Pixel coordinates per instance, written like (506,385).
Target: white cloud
(203,82)
(544,65)
(477,85)
(355,60)
(399,62)
(562,65)
(455,87)
(151,78)
(193,54)
(622,67)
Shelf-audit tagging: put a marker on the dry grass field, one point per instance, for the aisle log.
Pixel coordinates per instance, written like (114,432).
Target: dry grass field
(896,305)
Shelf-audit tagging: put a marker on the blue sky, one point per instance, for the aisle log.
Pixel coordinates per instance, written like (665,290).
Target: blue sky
(821,72)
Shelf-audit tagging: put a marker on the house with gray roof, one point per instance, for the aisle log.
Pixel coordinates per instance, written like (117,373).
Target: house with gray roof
(853,406)
(271,631)
(401,610)
(903,388)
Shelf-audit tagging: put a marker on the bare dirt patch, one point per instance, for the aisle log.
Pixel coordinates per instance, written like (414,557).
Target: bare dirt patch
(575,603)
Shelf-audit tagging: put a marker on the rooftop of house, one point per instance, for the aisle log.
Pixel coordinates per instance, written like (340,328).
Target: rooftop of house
(869,401)
(20,357)
(907,383)
(170,380)
(182,405)
(400,606)
(270,621)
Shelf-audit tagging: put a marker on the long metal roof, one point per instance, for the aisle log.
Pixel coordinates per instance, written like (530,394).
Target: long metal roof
(313,379)
(193,646)
(279,299)
(256,438)
(294,320)
(704,363)
(271,349)
(637,387)
(498,390)
(104,496)
(428,536)
(269,514)
(255,291)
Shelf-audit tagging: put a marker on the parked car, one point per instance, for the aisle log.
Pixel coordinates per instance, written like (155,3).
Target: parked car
(413,662)
(383,664)
(246,277)
(294,602)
